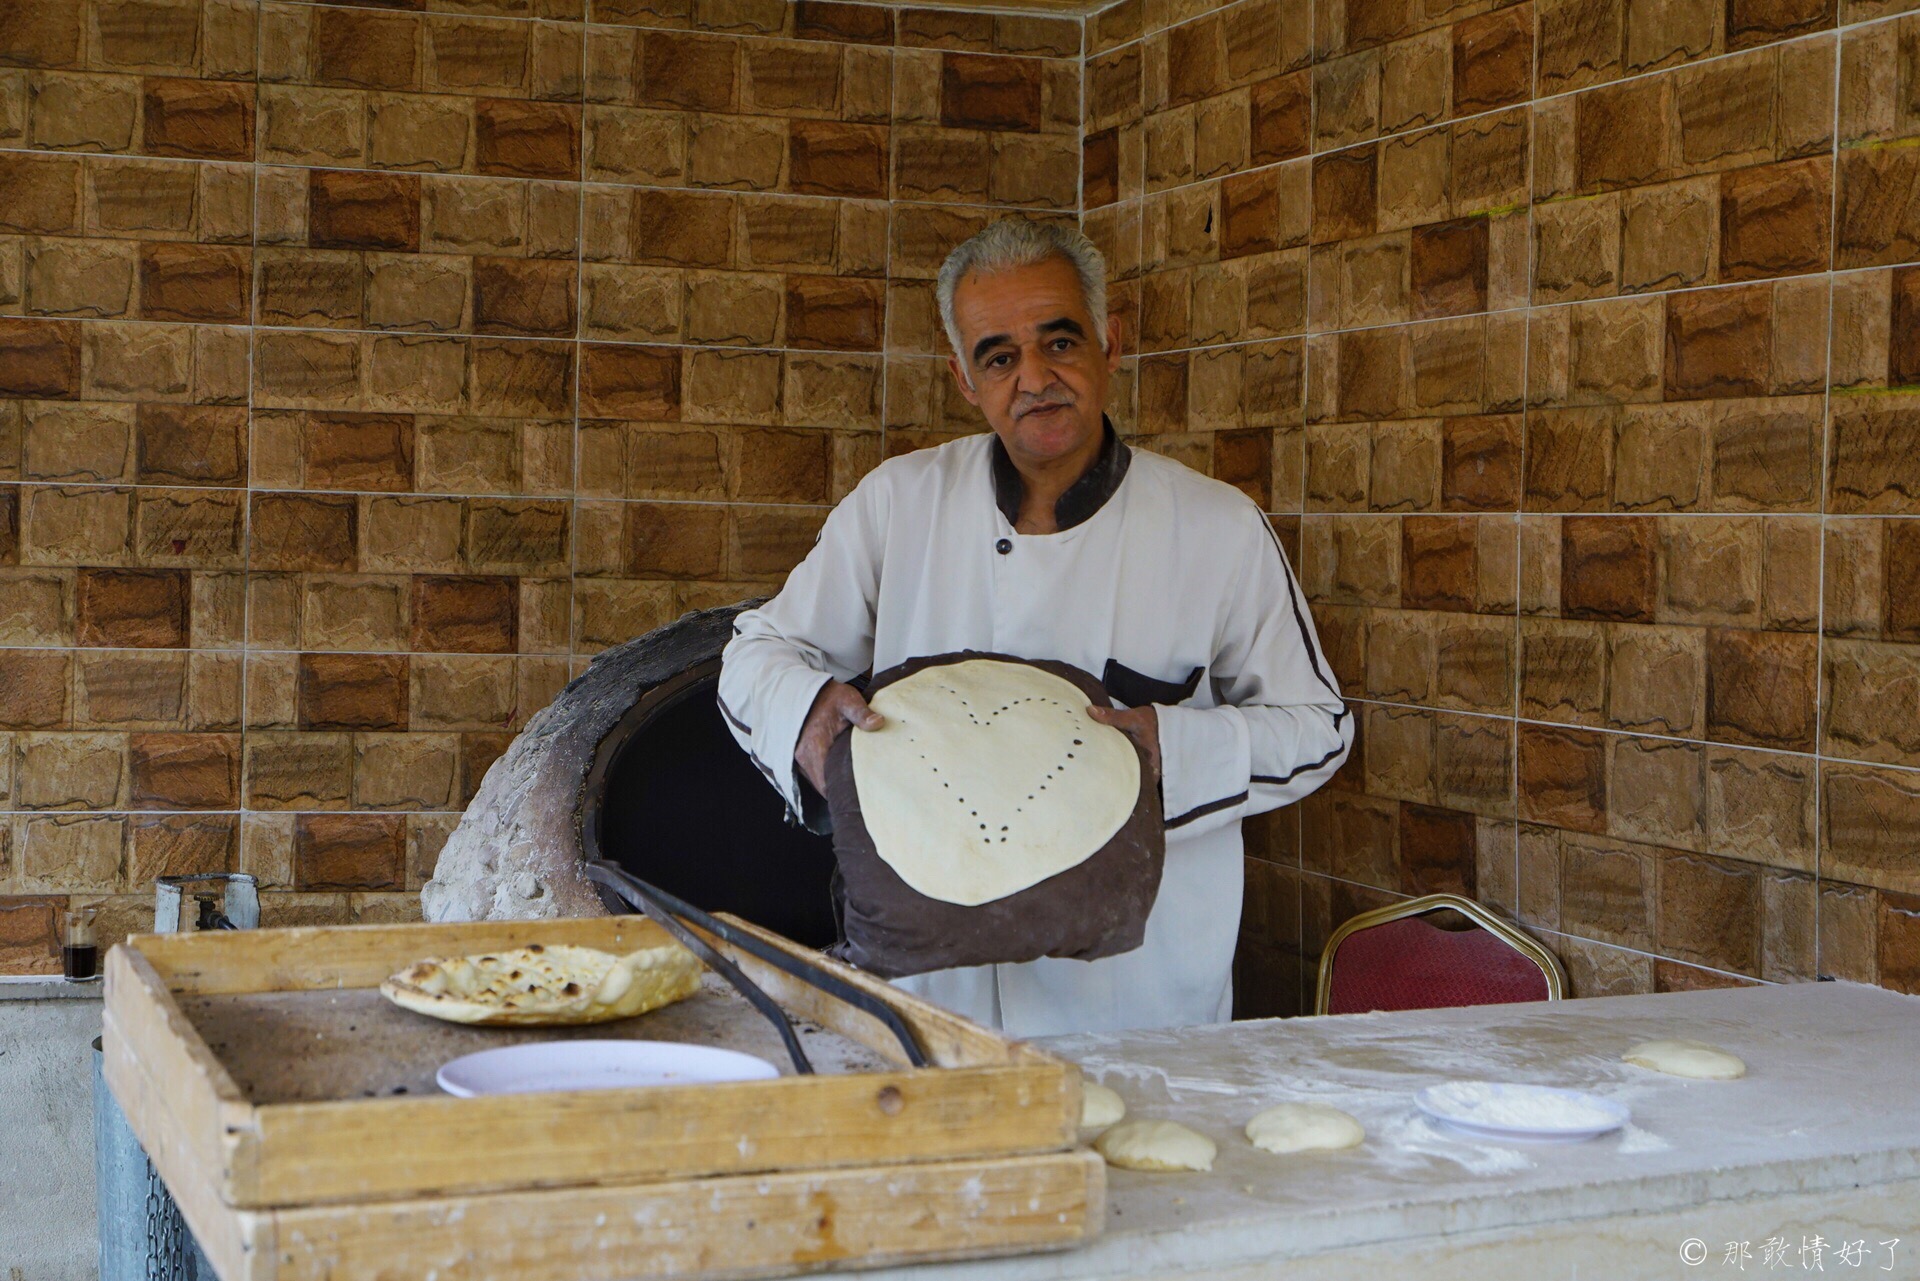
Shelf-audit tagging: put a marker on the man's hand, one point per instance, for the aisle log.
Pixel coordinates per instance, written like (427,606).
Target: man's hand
(835,707)
(1141,724)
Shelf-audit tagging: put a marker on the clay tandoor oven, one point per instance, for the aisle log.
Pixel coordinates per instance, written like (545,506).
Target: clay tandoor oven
(633,762)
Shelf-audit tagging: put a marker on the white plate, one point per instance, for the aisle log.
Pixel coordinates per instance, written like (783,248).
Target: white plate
(1497,1110)
(596,1065)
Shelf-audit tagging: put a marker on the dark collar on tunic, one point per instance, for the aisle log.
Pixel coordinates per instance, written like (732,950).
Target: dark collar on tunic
(1083,497)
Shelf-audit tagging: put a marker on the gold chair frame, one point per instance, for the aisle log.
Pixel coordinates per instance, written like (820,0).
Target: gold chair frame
(1512,935)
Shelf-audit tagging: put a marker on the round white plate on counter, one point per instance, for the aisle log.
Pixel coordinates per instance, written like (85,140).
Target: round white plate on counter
(596,1065)
(1521,1113)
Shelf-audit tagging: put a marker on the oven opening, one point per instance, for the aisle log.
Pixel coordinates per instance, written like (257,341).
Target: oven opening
(673,799)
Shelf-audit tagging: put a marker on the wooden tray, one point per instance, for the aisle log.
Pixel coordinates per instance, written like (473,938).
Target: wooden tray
(972,1156)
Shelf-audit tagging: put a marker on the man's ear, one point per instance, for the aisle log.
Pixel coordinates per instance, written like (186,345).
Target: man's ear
(1113,343)
(960,380)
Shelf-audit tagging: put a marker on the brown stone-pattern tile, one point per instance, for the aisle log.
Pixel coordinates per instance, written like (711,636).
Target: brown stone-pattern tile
(349,851)
(419,577)
(30,933)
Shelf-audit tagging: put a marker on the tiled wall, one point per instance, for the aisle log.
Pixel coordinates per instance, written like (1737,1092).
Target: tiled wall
(363,370)
(368,368)
(1570,344)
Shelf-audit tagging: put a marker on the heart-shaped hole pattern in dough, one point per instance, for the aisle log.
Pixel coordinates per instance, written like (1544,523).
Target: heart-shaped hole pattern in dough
(989,777)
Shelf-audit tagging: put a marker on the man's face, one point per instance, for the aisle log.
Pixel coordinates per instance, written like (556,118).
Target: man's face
(1030,359)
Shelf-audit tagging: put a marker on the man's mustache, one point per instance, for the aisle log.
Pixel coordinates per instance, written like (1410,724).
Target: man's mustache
(1027,404)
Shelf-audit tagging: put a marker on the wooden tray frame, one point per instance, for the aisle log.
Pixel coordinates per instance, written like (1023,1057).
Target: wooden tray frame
(975,1155)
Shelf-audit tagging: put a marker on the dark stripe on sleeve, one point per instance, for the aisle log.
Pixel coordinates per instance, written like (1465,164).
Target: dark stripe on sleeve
(1299,770)
(1201,811)
(1306,633)
(737,723)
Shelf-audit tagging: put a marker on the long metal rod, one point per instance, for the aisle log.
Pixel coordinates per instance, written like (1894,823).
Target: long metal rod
(643,896)
(785,962)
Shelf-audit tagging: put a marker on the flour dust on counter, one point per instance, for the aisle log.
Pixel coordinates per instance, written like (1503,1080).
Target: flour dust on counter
(1369,1067)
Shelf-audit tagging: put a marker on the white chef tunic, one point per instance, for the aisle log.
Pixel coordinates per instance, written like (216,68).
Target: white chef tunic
(1175,577)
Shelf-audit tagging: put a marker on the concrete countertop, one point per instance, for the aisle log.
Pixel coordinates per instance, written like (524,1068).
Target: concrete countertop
(47,1228)
(1829,1105)
(1823,1135)
(38,988)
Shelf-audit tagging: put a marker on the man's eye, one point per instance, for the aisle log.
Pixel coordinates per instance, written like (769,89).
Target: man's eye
(995,362)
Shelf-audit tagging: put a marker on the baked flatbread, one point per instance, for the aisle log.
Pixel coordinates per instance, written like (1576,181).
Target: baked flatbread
(540,984)
(990,777)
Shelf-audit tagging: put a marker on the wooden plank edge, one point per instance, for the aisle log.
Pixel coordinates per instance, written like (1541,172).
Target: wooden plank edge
(142,1023)
(314,1153)
(710,1228)
(319,957)
(239,1243)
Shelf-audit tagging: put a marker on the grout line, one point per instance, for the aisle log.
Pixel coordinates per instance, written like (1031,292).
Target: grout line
(1315,60)
(1820,605)
(221,813)
(239,859)
(1819,758)
(1528,309)
(1655,956)
(685,344)
(1520,495)
(87,651)
(1557,932)
(408,494)
(886,293)
(1728,514)
(1080,140)
(463,175)
(917,202)
(579,371)
(461,335)
(587,20)
(1309,990)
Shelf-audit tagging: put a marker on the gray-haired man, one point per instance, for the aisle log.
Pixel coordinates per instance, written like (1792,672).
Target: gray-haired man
(1050,539)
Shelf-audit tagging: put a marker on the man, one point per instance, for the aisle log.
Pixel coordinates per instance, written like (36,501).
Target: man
(1051,539)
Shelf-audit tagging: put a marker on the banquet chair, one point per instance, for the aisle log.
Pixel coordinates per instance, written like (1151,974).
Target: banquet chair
(1391,959)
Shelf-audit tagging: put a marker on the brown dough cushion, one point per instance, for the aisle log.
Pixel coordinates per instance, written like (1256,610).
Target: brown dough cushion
(1095,909)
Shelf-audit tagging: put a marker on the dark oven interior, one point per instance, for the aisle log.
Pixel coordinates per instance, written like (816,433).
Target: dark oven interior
(673,799)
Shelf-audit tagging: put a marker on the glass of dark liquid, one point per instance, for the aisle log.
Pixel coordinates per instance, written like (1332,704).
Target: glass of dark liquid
(79,951)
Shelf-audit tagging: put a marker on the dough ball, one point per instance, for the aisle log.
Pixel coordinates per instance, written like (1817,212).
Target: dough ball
(1695,1059)
(1099,1107)
(1156,1145)
(1304,1127)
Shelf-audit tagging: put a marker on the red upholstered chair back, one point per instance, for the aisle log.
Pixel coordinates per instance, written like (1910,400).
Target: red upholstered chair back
(1407,963)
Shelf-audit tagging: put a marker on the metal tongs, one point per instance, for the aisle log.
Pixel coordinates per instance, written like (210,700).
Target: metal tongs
(672,915)
(241,910)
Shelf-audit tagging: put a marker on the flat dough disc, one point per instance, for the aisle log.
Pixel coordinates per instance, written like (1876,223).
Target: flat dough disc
(1304,1127)
(989,777)
(1160,1146)
(538,986)
(1694,1059)
(1099,1107)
